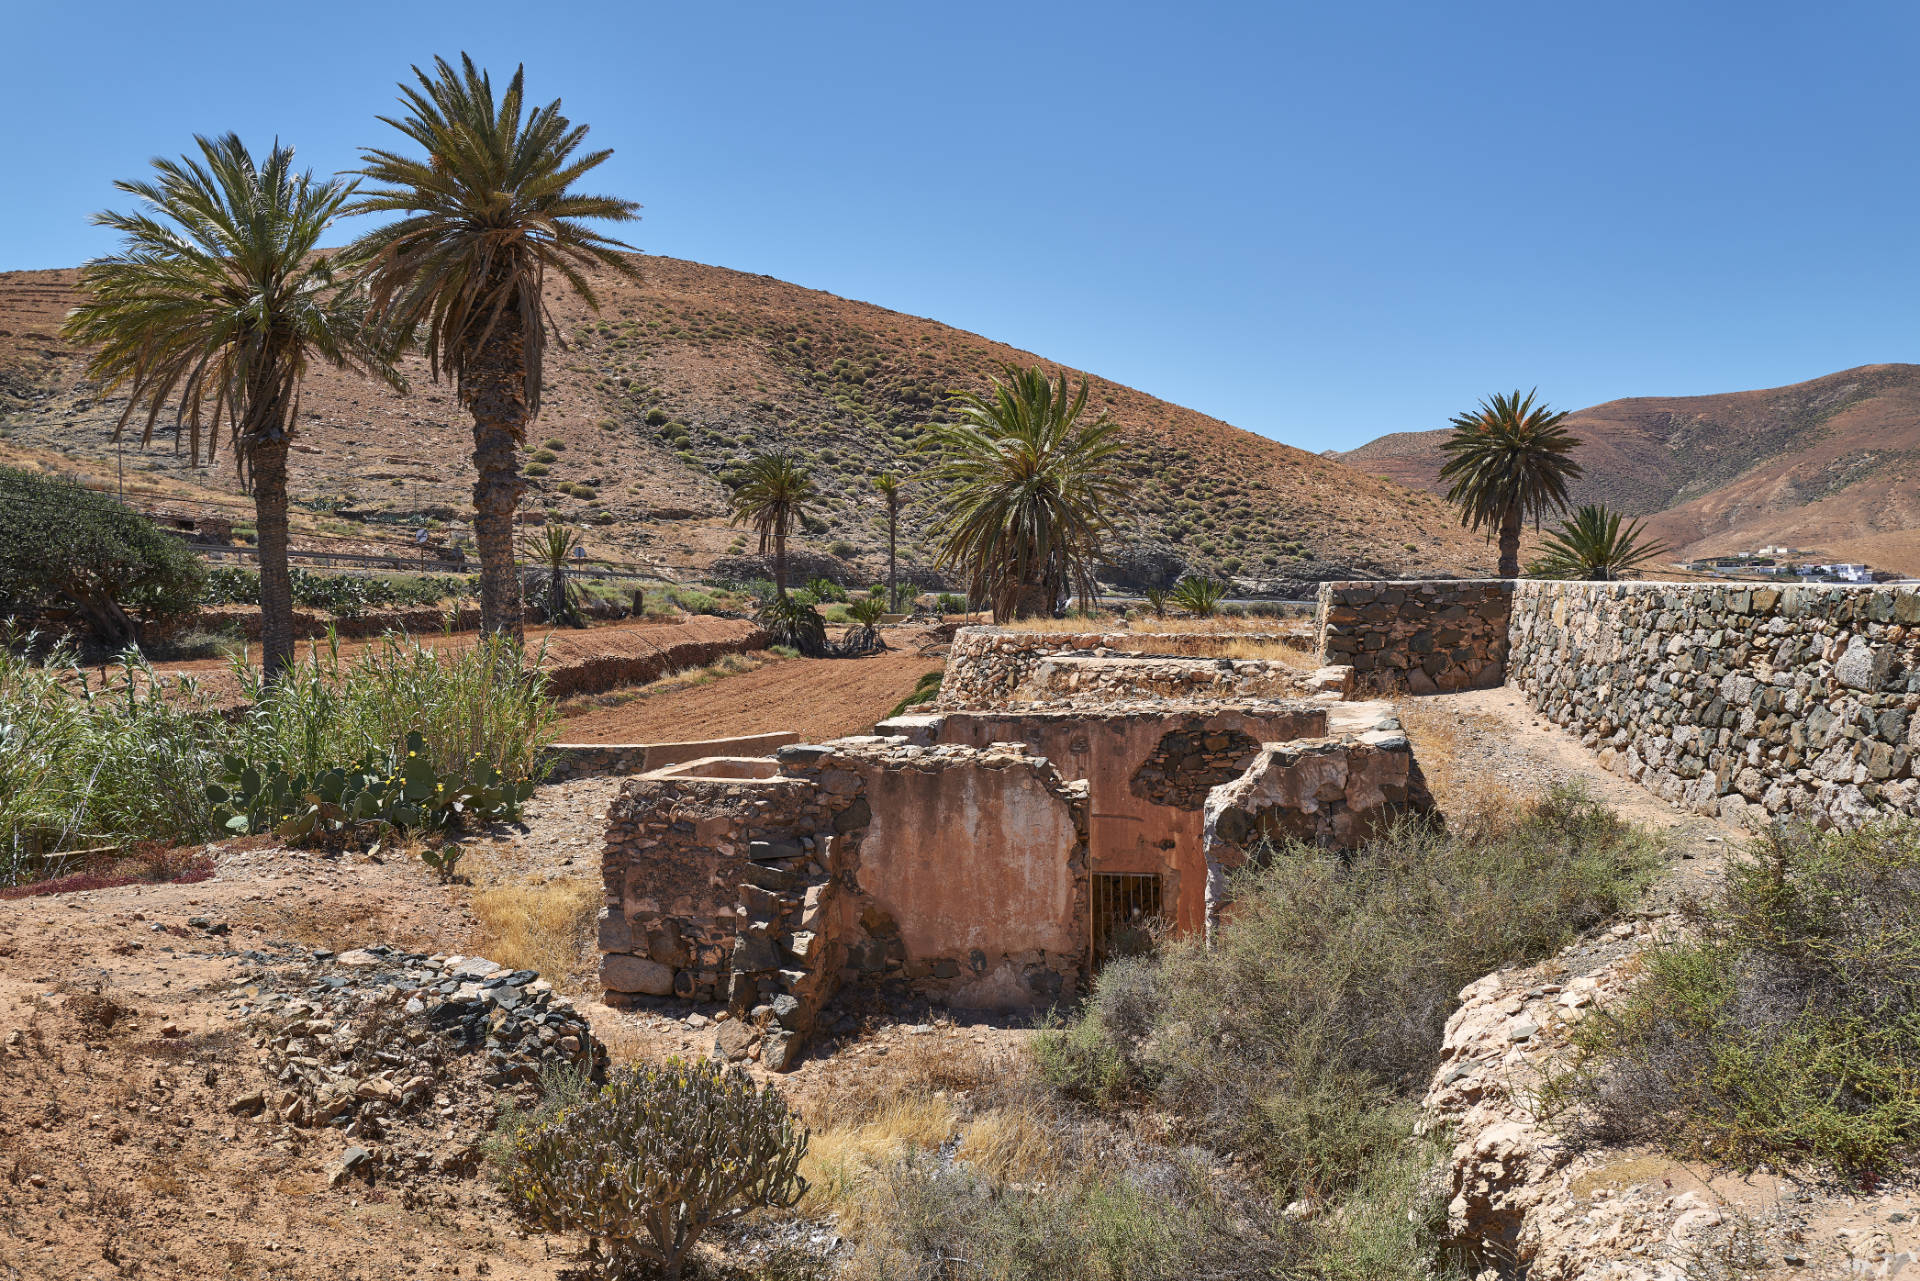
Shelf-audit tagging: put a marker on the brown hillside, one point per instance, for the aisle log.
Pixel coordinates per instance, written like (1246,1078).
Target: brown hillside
(689,371)
(1831,465)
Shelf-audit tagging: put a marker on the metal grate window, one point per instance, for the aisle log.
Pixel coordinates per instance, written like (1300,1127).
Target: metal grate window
(1124,907)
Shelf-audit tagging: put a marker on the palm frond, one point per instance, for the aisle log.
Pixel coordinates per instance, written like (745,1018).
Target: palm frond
(1027,484)
(219,301)
(486,214)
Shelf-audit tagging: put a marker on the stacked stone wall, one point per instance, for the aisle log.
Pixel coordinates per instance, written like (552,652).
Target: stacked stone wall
(990,668)
(1753,702)
(1416,637)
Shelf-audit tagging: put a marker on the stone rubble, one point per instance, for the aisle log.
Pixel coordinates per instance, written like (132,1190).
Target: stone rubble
(383,1044)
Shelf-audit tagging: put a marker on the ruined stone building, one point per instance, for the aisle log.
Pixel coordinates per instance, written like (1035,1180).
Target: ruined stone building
(1070,790)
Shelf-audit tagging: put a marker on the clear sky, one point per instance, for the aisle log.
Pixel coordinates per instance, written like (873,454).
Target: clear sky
(1318,221)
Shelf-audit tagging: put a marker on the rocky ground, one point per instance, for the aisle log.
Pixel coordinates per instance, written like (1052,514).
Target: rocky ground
(1569,1212)
(290,1070)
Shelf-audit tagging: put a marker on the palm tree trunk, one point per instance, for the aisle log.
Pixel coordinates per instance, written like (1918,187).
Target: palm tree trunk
(780,563)
(893,578)
(1510,542)
(497,390)
(267,471)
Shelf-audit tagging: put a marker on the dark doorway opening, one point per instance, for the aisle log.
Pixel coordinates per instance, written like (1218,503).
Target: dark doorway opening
(1126,909)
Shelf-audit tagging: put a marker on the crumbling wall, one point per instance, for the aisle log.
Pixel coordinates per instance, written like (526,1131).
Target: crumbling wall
(1080,679)
(1417,637)
(1335,792)
(1134,760)
(769,892)
(987,667)
(1753,702)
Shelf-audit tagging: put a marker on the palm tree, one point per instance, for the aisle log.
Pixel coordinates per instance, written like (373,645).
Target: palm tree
(551,549)
(217,303)
(1508,461)
(1592,545)
(487,212)
(889,488)
(1029,483)
(773,494)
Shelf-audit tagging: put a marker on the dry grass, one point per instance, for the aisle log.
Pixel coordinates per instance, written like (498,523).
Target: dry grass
(928,1094)
(546,926)
(1476,803)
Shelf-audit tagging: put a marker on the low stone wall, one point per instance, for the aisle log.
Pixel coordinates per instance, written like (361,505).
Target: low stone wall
(1754,702)
(1417,637)
(989,668)
(568,761)
(1085,679)
(632,659)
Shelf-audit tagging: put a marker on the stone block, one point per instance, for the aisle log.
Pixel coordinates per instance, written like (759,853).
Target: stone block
(621,972)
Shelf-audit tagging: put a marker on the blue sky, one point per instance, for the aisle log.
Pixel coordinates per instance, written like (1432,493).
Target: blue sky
(1321,222)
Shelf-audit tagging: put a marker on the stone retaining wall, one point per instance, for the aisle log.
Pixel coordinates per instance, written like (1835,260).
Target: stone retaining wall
(991,668)
(1753,702)
(568,761)
(1416,637)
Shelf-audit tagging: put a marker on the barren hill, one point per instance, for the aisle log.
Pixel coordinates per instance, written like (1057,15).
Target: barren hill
(1831,465)
(689,371)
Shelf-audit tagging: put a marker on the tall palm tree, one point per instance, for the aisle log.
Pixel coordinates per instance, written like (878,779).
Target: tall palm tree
(1028,483)
(888,486)
(1508,461)
(773,494)
(1592,545)
(487,211)
(218,303)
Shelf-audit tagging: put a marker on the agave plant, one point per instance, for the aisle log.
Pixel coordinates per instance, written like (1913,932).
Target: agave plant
(1593,545)
(1156,598)
(1199,596)
(1508,460)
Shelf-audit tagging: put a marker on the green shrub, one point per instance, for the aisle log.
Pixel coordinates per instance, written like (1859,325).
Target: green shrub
(824,590)
(655,1159)
(1784,1024)
(80,763)
(1305,1034)
(324,713)
(843,549)
(340,594)
(66,547)
(948,603)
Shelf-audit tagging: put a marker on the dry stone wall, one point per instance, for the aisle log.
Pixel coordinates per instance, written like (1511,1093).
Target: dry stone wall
(990,668)
(1416,637)
(1753,702)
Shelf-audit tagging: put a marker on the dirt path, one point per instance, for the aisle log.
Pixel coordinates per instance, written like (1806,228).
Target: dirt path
(1486,749)
(817,698)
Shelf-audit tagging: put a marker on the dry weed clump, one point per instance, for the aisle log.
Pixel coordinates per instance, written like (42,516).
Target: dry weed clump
(1476,803)
(545,926)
